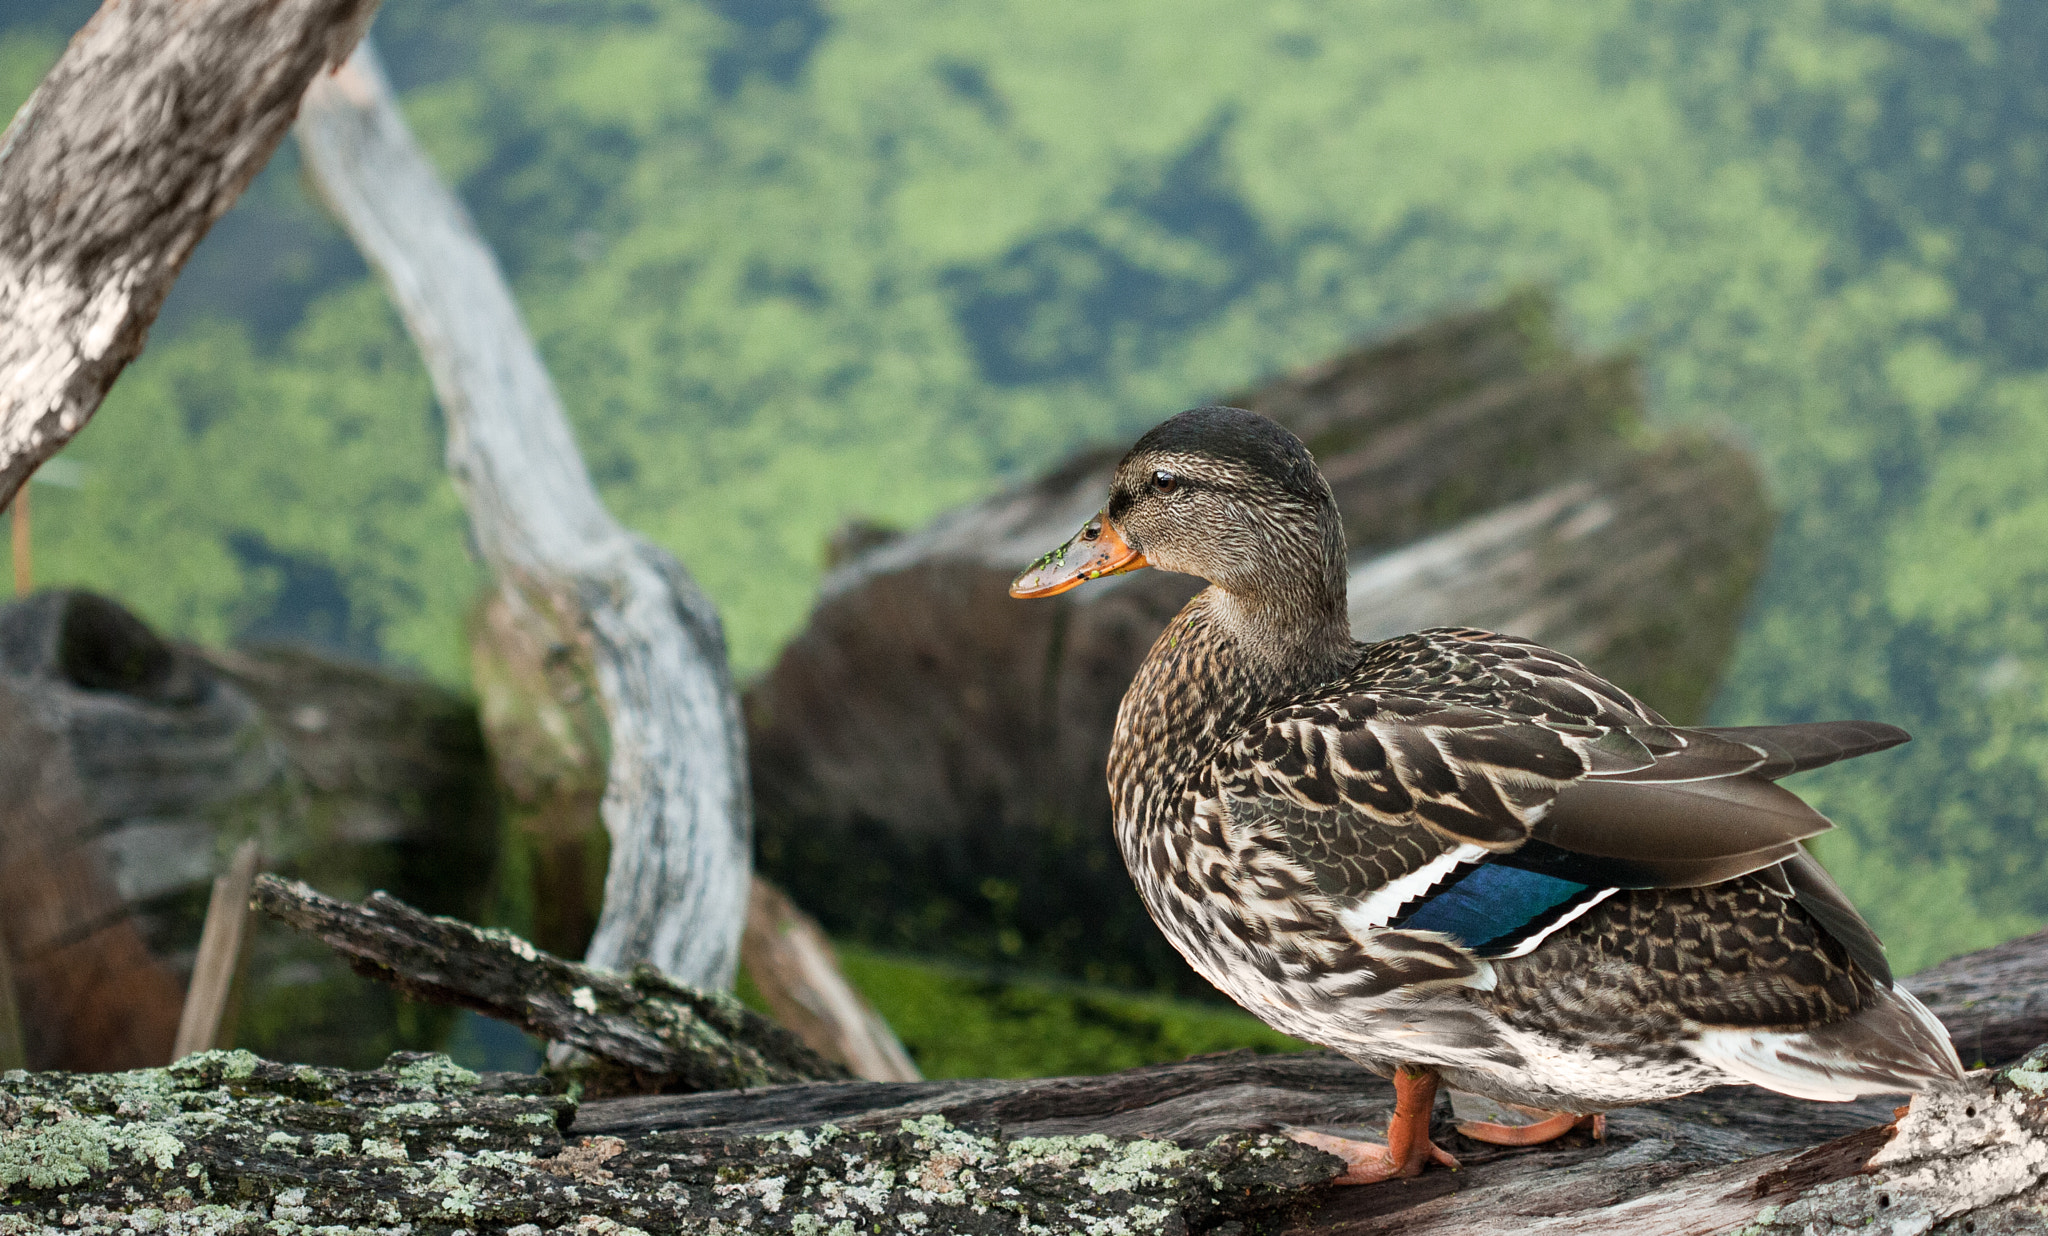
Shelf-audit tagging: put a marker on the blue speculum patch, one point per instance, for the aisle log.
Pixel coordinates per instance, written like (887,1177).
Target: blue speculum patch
(1493,905)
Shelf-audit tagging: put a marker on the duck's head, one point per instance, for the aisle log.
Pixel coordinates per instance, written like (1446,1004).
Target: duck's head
(1223,494)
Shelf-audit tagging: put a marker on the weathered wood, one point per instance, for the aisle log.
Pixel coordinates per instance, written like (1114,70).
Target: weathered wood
(928,752)
(223,948)
(1993,1001)
(226,1142)
(606,610)
(13,1045)
(147,129)
(131,767)
(654,1033)
(234,1143)
(797,972)
(1706,1163)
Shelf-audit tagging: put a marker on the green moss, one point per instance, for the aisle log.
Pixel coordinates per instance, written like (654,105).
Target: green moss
(960,1023)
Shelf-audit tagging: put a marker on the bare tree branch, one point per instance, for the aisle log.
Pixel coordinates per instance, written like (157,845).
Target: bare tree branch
(676,801)
(146,131)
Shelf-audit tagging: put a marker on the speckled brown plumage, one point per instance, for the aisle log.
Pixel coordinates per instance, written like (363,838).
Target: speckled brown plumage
(1460,850)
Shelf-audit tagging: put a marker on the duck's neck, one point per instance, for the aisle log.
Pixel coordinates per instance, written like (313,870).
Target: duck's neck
(1224,659)
(1284,641)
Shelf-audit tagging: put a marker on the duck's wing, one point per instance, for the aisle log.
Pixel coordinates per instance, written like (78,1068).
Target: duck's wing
(1532,819)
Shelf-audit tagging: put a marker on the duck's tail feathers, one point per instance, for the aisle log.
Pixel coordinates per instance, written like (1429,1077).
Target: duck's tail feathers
(1893,1047)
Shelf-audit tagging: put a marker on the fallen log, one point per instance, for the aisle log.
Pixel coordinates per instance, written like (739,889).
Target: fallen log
(235,1143)
(228,1142)
(1704,1163)
(231,1143)
(145,131)
(927,754)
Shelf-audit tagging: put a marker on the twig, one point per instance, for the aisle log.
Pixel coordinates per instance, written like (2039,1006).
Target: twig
(221,952)
(13,1047)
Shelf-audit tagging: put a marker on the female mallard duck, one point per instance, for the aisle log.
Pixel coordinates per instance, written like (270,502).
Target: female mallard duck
(1458,854)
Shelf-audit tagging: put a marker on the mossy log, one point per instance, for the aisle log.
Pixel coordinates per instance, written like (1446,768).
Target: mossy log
(225,1142)
(927,754)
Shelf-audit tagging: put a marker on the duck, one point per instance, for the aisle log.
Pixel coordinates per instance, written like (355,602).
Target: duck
(1459,857)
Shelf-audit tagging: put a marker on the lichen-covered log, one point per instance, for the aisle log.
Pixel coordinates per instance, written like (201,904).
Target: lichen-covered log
(1176,1148)
(225,1142)
(144,133)
(647,1032)
(927,754)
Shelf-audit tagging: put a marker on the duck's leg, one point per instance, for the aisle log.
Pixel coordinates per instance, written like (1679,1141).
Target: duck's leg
(1408,1149)
(1550,1127)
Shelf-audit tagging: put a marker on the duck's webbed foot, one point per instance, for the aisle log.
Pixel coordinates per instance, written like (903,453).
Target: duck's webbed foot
(1544,1126)
(1407,1150)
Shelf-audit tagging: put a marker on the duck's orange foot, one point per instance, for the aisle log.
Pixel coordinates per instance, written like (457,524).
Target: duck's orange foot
(1371,1162)
(1408,1149)
(1548,1126)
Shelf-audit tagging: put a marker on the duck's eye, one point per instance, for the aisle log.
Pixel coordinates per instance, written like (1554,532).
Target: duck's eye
(1164,481)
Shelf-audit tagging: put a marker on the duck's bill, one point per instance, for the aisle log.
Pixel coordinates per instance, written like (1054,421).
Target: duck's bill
(1095,551)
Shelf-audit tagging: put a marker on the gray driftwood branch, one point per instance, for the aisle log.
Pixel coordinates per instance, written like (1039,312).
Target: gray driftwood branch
(147,129)
(582,588)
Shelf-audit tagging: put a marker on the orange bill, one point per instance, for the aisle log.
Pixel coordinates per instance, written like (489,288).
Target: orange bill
(1095,551)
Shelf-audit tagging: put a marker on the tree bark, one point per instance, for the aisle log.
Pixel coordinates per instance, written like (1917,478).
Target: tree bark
(144,133)
(648,1032)
(604,608)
